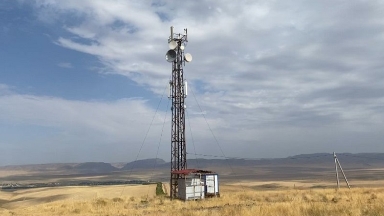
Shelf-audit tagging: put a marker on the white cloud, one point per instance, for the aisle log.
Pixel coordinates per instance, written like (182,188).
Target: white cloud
(100,130)
(263,71)
(83,124)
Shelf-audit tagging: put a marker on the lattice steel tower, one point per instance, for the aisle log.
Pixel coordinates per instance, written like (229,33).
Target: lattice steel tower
(177,93)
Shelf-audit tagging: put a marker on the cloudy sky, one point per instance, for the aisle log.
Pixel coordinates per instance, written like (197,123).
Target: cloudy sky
(83,80)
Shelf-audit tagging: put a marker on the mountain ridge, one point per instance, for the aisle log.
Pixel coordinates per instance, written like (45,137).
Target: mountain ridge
(347,159)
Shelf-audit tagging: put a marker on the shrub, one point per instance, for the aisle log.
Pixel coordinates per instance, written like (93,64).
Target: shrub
(159,189)
(117,199)
(100,202)
(335,199)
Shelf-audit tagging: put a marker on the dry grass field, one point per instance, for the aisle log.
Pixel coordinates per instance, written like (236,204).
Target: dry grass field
(252,198)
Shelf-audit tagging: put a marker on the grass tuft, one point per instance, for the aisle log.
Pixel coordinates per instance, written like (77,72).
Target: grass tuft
(117,199)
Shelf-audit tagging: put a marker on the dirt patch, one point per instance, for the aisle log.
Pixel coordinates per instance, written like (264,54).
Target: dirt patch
(271,186)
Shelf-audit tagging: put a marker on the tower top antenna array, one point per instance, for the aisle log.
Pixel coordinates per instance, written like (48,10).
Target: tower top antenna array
(177,42)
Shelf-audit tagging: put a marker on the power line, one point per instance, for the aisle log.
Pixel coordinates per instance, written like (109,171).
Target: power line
(217,156)
(145,137)
(210,129)
(193,140)
(158,146)
(243,158)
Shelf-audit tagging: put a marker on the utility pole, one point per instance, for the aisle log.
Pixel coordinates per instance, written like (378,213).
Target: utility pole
(177,93)
(337,164)
(337,173)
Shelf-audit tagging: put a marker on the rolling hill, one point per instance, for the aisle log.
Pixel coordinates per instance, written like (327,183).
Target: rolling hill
(305,166)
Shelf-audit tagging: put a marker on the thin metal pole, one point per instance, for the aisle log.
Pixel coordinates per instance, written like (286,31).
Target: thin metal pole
(337,173)
(345,177)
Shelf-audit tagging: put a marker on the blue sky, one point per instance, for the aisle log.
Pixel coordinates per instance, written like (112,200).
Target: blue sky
(33,62)
(81,80)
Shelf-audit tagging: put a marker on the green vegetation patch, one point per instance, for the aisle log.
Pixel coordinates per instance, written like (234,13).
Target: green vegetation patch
(159,189)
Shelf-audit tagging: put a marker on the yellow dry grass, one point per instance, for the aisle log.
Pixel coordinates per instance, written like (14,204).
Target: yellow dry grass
(234,200)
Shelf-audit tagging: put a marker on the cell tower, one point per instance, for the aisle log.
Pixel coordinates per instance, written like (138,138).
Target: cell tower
(177,93)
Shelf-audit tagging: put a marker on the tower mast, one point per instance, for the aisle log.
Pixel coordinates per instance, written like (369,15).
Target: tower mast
(177,93)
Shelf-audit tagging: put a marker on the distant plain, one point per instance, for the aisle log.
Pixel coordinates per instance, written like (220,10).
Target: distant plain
(246,187)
